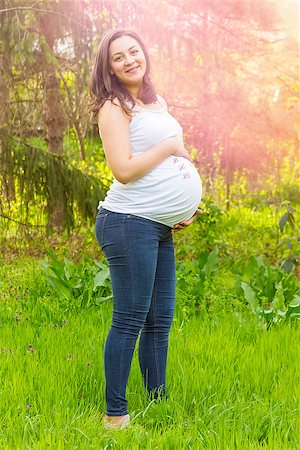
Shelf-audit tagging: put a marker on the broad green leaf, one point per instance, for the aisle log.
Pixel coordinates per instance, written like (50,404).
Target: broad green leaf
(291,220)
(260,261)
(211,265)
(293,309)
(288,265)
(293,312)
(60,288)
(100,264)
(268,315)
(283,221)
(100,300)
(290,209)
(295,301)
(250,296)
(55,263)
(251,268)
(202,260)
(279,301)
(101,277)
(69,268)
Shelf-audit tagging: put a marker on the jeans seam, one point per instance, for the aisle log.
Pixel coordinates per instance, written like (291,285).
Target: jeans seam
(154,337)
(123,236)
(124,340)
(103,226)
(121,361)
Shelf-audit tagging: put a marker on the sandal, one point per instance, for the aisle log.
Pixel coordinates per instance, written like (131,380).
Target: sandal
(124,422)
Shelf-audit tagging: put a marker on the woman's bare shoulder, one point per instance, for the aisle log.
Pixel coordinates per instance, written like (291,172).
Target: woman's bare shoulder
(112,108)
(110,104)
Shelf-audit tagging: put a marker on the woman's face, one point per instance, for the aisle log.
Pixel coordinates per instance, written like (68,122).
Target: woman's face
(127,61)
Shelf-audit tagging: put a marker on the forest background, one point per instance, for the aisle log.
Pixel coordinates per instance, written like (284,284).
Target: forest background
(230,74)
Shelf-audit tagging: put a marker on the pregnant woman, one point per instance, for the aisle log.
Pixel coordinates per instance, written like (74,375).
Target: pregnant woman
(156,189)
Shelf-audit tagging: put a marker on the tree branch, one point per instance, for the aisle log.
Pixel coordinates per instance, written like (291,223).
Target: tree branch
(48,11)
(21,223)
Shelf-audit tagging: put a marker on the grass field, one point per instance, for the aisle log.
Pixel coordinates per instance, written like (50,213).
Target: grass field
(232,383)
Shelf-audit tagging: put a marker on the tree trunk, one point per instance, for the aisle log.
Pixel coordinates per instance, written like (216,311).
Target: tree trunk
(53,114)
(54,122)
(6,175)
(80,138)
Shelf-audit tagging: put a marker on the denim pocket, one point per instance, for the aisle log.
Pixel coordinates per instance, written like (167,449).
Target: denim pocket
(111,231)
(100,224)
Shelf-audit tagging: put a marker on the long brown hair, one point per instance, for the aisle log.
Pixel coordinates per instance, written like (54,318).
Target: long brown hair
(104,86)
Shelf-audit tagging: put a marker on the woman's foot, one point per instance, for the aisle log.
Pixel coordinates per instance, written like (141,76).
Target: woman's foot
(116,422)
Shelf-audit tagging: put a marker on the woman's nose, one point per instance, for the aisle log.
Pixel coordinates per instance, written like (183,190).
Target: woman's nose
(129,60)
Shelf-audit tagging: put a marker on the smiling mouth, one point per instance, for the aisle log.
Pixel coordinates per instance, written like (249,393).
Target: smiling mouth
(132,69)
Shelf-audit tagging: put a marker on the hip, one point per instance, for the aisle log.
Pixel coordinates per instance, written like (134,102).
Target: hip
(123,229)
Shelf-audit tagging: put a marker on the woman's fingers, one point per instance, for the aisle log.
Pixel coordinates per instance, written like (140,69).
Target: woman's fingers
(186,223)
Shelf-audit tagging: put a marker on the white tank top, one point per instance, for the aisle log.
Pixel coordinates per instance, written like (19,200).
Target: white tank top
(172,191)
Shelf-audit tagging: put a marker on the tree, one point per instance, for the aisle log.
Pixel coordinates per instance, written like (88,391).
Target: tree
(42,32)
(218,64)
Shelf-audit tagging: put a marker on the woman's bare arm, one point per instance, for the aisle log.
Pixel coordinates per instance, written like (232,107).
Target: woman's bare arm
(114,129)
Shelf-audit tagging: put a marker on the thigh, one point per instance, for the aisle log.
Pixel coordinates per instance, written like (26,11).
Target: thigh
(163,298)
(130,245)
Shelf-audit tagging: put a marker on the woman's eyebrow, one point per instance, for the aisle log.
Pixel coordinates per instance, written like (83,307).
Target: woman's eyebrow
(120,53)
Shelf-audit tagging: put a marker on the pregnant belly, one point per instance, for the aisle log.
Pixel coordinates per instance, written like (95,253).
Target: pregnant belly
(180,191)
(169,194)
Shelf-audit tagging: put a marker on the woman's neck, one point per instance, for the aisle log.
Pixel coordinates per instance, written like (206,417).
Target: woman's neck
(134,92)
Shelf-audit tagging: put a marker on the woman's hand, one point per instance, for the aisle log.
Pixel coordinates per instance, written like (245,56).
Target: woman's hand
(177,147)
(181,225)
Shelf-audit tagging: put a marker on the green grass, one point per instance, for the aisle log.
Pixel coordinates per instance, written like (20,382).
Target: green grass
(232,384)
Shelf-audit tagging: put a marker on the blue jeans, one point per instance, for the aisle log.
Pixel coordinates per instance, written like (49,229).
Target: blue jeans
(140,255)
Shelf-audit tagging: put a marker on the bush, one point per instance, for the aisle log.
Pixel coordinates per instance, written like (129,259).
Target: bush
(78,285)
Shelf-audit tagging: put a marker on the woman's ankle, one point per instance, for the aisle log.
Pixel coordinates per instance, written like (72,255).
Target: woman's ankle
(115,419)
(116,422)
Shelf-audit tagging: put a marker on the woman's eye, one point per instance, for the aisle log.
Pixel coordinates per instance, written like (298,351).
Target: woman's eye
(118,58)
(134,52)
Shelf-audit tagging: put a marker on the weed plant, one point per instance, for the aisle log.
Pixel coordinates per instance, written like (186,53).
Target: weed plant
(234,359)
(232,383)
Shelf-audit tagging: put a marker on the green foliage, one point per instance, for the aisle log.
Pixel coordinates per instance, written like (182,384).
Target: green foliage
(268,284)
(44,178)
(288,217)
(78,285)
(291,243)
(205,233)
(271,293)
(210,220)
(192,279)
(231,384)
